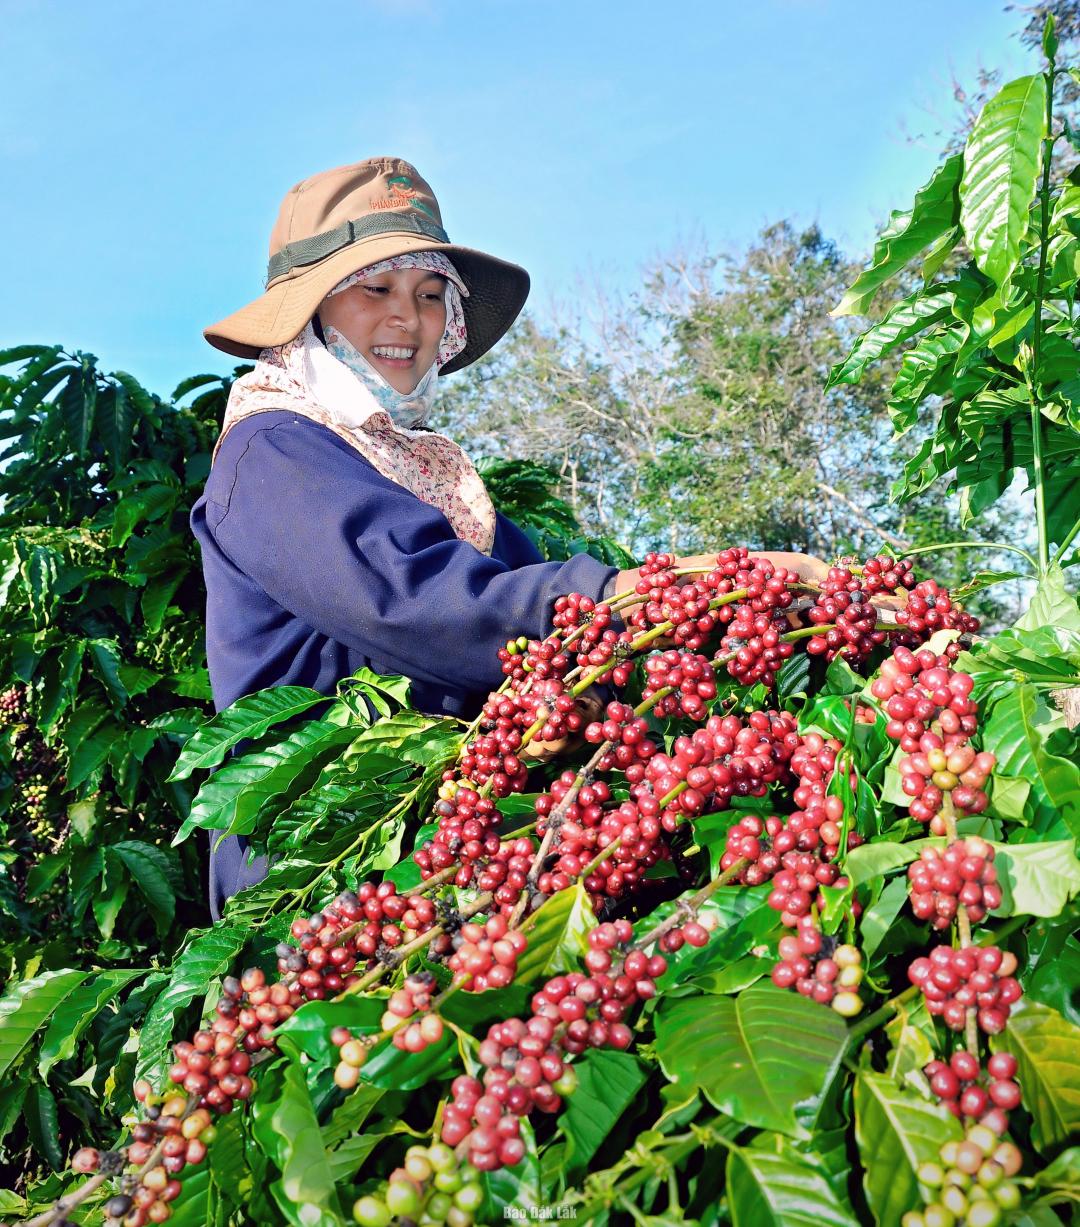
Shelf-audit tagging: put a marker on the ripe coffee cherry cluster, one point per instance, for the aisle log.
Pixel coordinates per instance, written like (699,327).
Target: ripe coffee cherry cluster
(844,605)
(690,678)
(821,968)
(959,1086)
(918,688)
(929,608)
(179,1134)
(725,758)
(430,1187)
(414,997)
(935,770)
(213,1066)
(962,874)
(685,606)
(466,833)
(796,886)
(357,928)
(979,978)
(972,1184)
(884,574)
(629,737)
(486,955)
(506,873)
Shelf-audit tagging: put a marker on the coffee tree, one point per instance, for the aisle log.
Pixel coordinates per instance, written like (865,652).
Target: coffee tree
(785,934)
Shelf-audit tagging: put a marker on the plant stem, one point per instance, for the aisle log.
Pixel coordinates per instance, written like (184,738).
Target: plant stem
(963,924)
(972,545)
(1069,538)
(1031,370)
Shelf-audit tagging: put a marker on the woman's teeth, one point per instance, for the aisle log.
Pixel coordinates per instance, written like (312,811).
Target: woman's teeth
(392,351)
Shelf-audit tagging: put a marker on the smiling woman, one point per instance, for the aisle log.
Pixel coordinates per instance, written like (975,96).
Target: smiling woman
(336,532)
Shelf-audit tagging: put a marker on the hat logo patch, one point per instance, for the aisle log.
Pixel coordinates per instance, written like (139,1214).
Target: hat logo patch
(402,196)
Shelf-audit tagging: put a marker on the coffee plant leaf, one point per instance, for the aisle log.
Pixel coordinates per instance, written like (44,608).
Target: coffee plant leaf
(308,1030)
(245,720)
(870,861)
(782,1188)
(149,868)
(730,979)
(28,1006)
(1017,730)
(1001,166)
(1037,879)
(77,1011)
(911,1035)
(252,787)
(755,1056)
(896,1131)
(608,1083)
(923,368)
(1064,1171)
(287,1129)
(12,1098)
(907,319)
(1055,981)
(208,954)
(557,936)
(43,1124)
(1052,606)
(935,211)
(877,919)
(742,920)
(1047,1050)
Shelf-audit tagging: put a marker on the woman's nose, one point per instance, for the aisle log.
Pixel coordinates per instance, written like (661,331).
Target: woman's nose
(404,311)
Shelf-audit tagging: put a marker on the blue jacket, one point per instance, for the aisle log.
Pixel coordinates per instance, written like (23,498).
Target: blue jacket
(316,565)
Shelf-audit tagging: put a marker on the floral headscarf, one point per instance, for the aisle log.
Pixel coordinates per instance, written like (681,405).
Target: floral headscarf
(337,387)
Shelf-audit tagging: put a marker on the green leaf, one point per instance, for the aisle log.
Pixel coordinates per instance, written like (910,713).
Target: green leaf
(608,1083)
(90,754)
(246,719)
(1038,879)
(910,1033)
(755,1056)
(870,861)
(77,1012)
(288,1130)
(919,367)
(27,1006)
(934,212)
(1052,606)
(107,658)
(209,954)
(76,404)
(896,1131)
(1017,730)
(149,869)
(557,936)
(782,1188)
(43,1124)
(61,686)
(1001,165)
(252,784)
(1047,1050)
(877,920)
(908,318)
(156,598)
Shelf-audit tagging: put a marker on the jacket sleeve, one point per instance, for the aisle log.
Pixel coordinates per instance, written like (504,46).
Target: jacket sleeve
(365,562)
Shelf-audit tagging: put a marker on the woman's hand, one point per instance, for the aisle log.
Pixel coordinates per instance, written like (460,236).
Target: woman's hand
(591,707)
(812,570)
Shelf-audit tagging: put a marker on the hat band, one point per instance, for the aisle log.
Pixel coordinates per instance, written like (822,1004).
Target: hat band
(319,246)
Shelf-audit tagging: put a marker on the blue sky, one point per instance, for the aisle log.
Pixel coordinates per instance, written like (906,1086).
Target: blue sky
(145,147)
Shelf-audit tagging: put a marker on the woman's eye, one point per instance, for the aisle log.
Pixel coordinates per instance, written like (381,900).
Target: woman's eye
(376,289)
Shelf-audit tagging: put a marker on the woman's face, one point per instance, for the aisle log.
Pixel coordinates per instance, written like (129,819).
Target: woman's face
(396,319)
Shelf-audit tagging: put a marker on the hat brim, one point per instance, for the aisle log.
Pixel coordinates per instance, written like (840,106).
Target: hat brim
(497,292)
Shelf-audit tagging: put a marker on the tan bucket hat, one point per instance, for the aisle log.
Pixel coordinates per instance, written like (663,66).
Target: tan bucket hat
(342,220)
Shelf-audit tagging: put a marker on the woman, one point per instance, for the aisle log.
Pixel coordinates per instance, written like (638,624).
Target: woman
(335,532)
